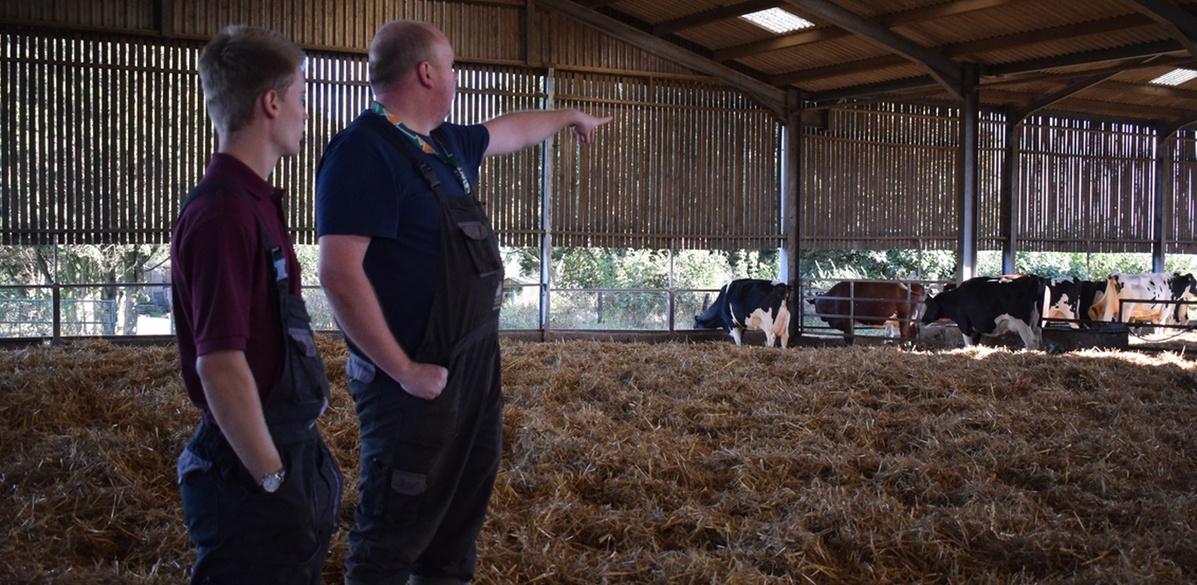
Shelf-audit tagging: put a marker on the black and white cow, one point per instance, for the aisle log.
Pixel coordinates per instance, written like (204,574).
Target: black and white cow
(1071,298)
(1157,286)
(986,306)
(749,304)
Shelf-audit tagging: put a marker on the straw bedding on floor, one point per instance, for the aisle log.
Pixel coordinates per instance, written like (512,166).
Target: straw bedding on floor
(703,463)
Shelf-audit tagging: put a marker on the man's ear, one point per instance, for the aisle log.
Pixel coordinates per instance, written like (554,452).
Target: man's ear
(268,101)
(424,73)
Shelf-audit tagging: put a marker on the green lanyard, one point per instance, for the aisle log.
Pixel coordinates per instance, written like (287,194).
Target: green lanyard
(441,152)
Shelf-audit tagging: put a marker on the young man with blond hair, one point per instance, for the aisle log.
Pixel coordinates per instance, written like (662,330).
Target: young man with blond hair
(412,269)
(260,489)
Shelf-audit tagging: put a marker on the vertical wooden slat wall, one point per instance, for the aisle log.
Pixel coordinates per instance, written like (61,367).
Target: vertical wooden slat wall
(132,136)
(479,29)
(1085,185)
(509,186)
(883,176)
(107,136)
(104,134)
(123,15)
(578,46)
(685,163)
(103,138)
(1181,230)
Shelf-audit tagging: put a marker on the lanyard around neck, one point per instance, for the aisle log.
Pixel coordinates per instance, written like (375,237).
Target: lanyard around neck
(440,152)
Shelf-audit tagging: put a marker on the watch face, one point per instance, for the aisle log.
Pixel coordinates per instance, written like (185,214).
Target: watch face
(271,483)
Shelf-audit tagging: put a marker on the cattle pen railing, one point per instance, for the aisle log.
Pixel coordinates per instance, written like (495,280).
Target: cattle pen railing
(1185,325)
(58,311)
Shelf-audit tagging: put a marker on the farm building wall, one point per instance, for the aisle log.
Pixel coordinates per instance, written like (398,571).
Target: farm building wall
(105,132)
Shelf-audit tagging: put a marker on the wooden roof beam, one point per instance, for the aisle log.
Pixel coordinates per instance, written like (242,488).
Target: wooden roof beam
(1012,41)
(903,18)
(1181,24)
(713,15)
(873,89)
(927,81)
(1173,126)
(1075,87)
(771,97)
(946,71)
(1156,91)
(1086,57)
(1141,112)
(1034,76)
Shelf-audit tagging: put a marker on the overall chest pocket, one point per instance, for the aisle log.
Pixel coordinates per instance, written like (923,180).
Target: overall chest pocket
(481,245)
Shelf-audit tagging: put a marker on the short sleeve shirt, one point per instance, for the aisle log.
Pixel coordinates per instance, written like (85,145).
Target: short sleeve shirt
(220,276)
(369,185)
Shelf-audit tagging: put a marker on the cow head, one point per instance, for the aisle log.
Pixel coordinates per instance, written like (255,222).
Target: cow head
(1186,284)
(931,311)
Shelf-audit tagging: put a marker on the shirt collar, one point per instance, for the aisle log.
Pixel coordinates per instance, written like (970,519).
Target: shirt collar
(238,173)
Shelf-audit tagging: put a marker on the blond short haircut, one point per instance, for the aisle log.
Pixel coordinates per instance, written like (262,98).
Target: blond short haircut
(240,63)
(398,47)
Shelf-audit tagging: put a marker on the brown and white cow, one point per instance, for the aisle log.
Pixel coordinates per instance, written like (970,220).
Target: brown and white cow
(890,304)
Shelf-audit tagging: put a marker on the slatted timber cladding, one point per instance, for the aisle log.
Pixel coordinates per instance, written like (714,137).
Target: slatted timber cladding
(492,31)
(108,135)
(575,45)
(103,134)
(80,202)
(1085,185)
(487,29)
(881,176)
(101,138)
(884,176)
(685,164)
(510,185)
(113,15)
(1181,225)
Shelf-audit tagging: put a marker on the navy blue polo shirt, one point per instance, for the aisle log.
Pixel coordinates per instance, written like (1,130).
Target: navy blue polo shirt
(368,186)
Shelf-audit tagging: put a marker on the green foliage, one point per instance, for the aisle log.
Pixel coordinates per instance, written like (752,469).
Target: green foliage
(878,264)
(1182,263)
(89,311)
(1074,264)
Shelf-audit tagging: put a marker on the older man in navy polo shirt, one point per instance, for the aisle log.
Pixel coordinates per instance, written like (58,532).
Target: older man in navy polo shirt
(412,269)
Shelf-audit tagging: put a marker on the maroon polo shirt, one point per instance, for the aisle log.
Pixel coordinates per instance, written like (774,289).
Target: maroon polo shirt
(220,276)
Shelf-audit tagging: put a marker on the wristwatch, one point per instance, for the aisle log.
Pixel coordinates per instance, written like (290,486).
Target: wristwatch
(272,481)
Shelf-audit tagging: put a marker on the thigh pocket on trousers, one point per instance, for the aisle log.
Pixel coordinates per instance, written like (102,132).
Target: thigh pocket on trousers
(396,489)
(393,494)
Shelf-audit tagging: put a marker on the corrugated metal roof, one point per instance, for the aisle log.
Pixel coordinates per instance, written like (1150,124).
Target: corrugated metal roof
(662,10)
(1015,18)
(843,50)
(728,33)
(1070,46)
(1049,35)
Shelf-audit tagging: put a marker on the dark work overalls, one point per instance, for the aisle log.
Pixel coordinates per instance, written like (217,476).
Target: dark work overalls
(242,534)
(428,466)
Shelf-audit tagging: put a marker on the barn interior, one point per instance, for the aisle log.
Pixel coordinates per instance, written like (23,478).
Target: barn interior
(977,128)
(985,129)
